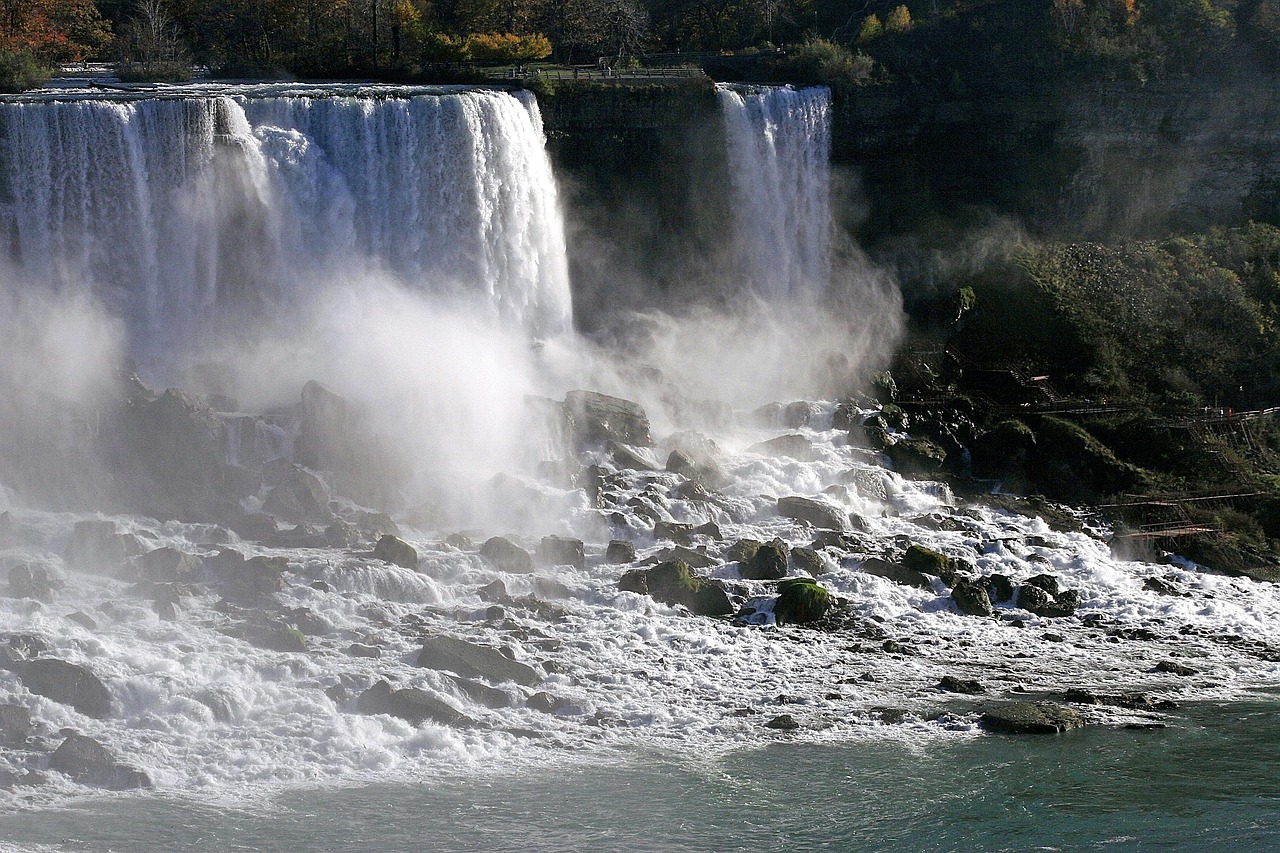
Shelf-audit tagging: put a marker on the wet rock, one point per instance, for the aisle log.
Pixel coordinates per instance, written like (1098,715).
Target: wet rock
(300,496)
(410,704)
(628,458)
(930,562)
(742,550)
(469,660)
(1030,718)
(279,638)
(31,582)
(953,684)
(620,552)
(544,702)
(597,418)
(769,562)
(800,602)
(1041,603)
(15,725)
(916,457)
(84,620)
(362,650)
(1048,583)
(1175,668)
(696,457)
(562,551)
(1162,587)
(972,598)
(493,592)
(179,442)
(816,513)
(97,546)
(69,684)
(695,559)
(168,564)
(674,583)
(249,580)
(341,534)
(89,763)
(791,446)
(394,550)
(257,527)
(897,573)
(506,555)
(675,531)
(783,722)
(336,436)
(999,588)
(808,560)
(374,525)
(482,694)
(799,414)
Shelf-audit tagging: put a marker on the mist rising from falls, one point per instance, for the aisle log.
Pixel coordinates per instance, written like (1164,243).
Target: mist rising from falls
(177,212)
(779,142)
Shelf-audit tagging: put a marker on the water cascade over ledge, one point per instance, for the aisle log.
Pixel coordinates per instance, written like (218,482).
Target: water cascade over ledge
(779,142)
(174,212)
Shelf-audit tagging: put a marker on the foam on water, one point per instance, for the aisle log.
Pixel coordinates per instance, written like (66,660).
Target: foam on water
(206,711)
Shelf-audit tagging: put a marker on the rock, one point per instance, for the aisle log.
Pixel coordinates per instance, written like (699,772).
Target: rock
(1041,603)
(1030,718)
(675,531)
(469,660)
(697,457)
(783,722)
(597,418)
(930,562)
(506,555)
(252,579)
(84,620)
(394,550)
(620,552)
(336,436)
(916,457)
(799,414)
(374,525)
(952,684)
(1175,668)
(674,583)
(257,527)
(89,763)
(179,441)
(695,559)
(562,551)
(363,650)
(1048,583)
(816,513)
(300,496)
(96,546)
(791,446)
(168,564)
(808,560)
(742,550)
(493,592)
(31,582)
(972,598)
(15,725)
(769,562)
(896,573)
(410,704)
(800,602)
(341,534)
(279,638)
(544,702)
(629,459)
(679,463)
(845,417)
(1160,586)
(999,588)
(69,684)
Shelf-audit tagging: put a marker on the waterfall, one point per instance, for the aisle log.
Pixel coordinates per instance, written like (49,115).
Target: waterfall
(779,140)
(177,212)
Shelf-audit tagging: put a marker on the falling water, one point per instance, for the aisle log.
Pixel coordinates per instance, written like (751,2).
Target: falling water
(779,139)
(176,212)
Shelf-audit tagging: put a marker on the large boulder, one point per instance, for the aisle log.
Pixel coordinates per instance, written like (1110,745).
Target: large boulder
(394,550)
(562,551)
(816,513)
(769,562)
(897,573)
(97,546)
(674,583)
(597,418)
(792,446)
(972,598)
(336,436)
(1040,602)
(800,601)
(168,564)
(469,660)
(410,704)
(299,496)
(15,725)
(506,555)
(250,580)
(916,457)
(697,457)
(620,551)
(89,763)
(31,582)
(1030,718)
(930,562)
(69,684)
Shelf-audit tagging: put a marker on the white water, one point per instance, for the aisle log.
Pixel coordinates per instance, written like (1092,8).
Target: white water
(779,142)
(179,212)
(259,182)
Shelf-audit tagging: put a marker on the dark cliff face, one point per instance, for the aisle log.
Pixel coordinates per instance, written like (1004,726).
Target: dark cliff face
(1096,160)
(644,167)
(643,172)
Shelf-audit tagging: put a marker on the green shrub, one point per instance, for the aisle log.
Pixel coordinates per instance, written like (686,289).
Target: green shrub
(19,71)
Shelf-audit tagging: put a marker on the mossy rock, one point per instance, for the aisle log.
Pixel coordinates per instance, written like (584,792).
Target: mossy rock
(742,550)
(800,602)
(674,583)
(769,562)
(394,550)
(930,562)
(918,457)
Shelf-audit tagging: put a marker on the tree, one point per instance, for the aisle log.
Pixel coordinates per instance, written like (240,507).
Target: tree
(150,47)
(52,32)
(871,29)
(898,21)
